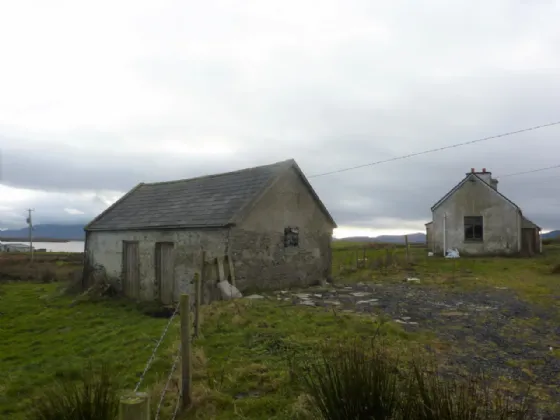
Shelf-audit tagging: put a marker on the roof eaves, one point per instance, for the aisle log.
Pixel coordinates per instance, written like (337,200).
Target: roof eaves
(111,207)
(314,194)
(450,192)
(531,222)
(499,193)
(162,227)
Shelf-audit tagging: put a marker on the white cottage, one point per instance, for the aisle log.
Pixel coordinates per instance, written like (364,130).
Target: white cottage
(476,219)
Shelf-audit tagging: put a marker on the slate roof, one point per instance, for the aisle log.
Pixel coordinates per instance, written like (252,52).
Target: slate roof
(207,201)
(526,223)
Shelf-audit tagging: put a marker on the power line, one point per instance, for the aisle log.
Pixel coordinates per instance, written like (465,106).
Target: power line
(439,149)
(529,172)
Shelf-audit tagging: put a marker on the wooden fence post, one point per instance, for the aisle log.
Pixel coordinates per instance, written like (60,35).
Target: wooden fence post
(231,268)
(135,406)
(203,275)
(186,363)
(197,291)
(407,248)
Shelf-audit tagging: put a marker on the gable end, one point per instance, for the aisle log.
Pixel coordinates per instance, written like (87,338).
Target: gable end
(465,179)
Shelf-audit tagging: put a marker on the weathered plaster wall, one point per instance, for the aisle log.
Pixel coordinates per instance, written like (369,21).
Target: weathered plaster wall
(257,244)
(501,221)
(106,249)
(429,237)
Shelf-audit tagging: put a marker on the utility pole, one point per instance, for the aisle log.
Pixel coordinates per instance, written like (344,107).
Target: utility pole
(30,223)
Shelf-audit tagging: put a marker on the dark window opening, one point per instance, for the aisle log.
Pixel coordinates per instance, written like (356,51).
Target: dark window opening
(291,237)
(473,228)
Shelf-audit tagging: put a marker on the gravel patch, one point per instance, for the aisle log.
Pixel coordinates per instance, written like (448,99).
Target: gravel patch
(489,330)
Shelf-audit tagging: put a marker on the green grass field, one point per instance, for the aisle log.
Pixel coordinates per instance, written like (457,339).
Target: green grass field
(534,279)
(43,336)
(241,355)
(242,360)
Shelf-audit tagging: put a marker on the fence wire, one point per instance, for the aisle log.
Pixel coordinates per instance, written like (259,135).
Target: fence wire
(173,367)
(177,404)
(172,370)
(156,347)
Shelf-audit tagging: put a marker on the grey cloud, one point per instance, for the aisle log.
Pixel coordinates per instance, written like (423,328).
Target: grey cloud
(432,75)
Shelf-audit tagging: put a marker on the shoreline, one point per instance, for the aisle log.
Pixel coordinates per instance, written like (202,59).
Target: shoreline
(26,240)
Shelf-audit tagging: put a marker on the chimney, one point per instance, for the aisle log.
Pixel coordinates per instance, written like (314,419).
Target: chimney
(472,170)
(485,175)
(494,183)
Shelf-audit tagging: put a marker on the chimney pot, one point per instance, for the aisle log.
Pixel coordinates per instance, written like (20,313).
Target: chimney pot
(472,170)
(483,170)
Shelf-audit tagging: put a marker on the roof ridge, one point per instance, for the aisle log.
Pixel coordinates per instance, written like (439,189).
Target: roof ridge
(209,176)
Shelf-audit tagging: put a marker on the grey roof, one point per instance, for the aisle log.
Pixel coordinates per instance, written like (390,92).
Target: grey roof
(207,201)
(526,223)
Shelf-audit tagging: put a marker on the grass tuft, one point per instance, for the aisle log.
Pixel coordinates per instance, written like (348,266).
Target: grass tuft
(363,380)
(93,397)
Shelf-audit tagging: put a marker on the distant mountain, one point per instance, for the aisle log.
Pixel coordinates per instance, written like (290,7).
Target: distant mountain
(552,234)
(75,232)
(393,239)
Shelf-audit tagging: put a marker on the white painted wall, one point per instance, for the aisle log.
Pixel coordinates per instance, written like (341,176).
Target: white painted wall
(502,221)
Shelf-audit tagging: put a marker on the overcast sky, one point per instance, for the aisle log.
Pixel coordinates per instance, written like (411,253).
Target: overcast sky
(97,97)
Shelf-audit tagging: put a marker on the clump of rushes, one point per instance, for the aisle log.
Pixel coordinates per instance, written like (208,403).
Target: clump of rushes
(94,396)
(363,380)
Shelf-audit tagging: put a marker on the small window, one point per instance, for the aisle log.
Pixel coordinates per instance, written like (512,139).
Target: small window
(291,237)
(473,228)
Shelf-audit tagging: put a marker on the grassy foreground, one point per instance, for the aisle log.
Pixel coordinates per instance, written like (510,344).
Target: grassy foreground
(244,360)
(242,354)
(45,336)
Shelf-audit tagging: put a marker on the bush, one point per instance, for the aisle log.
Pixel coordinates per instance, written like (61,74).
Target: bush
(93,397)
(366,382)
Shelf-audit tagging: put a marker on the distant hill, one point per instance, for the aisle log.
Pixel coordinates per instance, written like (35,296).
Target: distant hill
(392,239)
(552,234)
(76,232)
(71,232)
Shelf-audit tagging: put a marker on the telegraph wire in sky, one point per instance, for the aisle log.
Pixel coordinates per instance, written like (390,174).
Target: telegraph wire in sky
(438,149)
(529,172)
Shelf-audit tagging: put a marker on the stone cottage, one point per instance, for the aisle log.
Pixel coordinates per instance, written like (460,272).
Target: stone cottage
(476,219)
(265,224)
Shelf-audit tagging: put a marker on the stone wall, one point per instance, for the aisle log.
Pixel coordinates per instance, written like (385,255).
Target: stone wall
(105,249)
(257,244)
(262,263)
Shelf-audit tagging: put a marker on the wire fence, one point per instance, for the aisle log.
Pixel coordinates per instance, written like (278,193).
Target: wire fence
(170,376)
(183,355)
(156,347)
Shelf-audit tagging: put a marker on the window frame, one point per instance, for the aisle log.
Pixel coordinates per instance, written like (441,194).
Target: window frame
(291,237)
(476,224)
